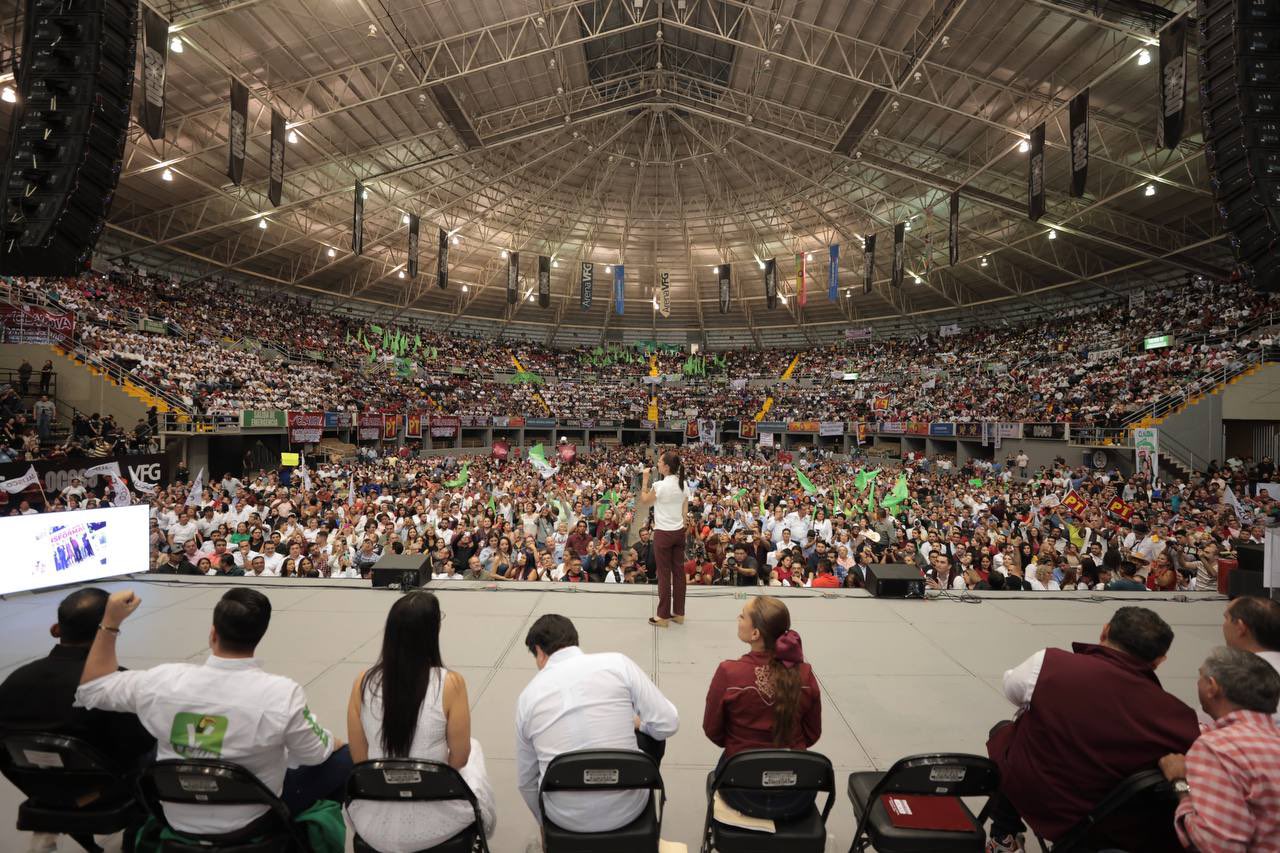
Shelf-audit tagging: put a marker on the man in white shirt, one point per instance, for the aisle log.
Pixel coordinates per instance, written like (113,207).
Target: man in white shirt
(582,701)
(1252,624)
(227,708)
(183,530)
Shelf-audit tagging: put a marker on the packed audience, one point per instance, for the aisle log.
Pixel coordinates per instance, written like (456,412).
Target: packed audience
(1082,720)
(1087,366)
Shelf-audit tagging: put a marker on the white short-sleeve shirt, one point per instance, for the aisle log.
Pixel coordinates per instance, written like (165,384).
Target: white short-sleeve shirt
(668,508)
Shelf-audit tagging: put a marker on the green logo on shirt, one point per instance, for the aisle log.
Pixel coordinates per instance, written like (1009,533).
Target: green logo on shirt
(197,735)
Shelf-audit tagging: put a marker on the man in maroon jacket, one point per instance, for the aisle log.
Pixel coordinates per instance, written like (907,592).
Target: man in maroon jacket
(1087,719)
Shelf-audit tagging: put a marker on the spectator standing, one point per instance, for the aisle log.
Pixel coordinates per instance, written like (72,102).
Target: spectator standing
(24,377)
(670,519)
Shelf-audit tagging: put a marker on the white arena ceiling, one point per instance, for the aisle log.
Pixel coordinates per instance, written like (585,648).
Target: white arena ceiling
(670,135)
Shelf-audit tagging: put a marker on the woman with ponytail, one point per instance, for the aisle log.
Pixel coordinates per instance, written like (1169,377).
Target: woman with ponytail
(670,518)
(766,699)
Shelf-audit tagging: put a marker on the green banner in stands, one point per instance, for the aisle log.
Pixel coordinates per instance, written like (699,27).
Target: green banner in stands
(262,419)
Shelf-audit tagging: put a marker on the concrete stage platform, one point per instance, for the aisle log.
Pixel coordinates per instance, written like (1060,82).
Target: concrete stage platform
(898,677)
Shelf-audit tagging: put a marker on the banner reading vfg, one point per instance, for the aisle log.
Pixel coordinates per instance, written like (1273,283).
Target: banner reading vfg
(263,419)
(370,428)
(305,427)
(1146,450)
(56,475)
(26,324)
(444,426)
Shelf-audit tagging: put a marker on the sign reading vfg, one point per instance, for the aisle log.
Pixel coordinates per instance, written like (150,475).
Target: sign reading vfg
(1157,342)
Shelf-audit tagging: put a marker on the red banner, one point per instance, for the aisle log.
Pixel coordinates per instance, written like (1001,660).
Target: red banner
(27,324)
(1074,502)
(370,427)
(390,427)
(305,427)
(803,426)
(1120,508)
(501,449)
(413,425)
(445,426)
(917,428)
(880,404)
(746,429)
(691,429)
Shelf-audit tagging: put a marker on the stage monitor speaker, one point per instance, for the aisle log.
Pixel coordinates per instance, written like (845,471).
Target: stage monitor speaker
(407,571)
(894,580)
(1245,583)
(1240,105)
(1250,557)
(66,140)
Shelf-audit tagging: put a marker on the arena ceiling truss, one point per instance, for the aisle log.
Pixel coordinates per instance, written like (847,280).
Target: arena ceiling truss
(668,135)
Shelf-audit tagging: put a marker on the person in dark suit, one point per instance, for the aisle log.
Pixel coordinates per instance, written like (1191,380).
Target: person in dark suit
(37,697)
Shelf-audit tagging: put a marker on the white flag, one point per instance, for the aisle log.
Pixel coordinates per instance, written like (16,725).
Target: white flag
(122,496)
(144,488)
(106,469)
(193,497)
(1229,499)
(306,475)
(22,483)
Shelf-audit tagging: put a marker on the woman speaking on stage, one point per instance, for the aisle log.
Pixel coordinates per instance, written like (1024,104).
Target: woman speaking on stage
(670,517)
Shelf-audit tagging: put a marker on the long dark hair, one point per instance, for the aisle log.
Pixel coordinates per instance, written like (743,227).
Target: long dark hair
(410,649)
(771,618)
(672,460)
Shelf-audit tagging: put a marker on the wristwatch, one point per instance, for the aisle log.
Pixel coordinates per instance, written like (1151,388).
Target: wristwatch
(1181,788)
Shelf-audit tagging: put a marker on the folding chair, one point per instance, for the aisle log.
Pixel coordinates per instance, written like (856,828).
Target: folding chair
(56,773)
(408,780)
(1144,802)
(951,775)
(604,770)
(203,782)
(772,770)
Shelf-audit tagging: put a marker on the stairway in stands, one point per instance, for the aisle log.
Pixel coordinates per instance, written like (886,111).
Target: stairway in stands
(131,388)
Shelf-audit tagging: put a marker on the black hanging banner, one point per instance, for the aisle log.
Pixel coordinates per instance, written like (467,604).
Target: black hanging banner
(513,278)
(155,56)
(276,185)
(1173,84)
(357,221)
(953,230)
(544,281)
(239,126)
(1079,142)
(588,279)
(413,245)
(771,282)
(442,260)
(868,263)
(899,253)
(723,279)
(1035,175)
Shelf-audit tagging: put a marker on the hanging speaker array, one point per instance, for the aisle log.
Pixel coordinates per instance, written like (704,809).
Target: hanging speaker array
(67,138)
(1240,104)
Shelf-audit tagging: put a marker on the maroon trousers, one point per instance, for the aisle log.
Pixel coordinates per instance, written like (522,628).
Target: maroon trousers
(668,553)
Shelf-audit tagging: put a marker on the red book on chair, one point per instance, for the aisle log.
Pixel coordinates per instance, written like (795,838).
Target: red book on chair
(917,811)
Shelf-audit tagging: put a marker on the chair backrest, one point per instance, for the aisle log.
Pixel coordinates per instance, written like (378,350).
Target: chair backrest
(779,770)
(600,770)
(54,770)
(954,774)
(203,782)
(407,780)
(1141,806)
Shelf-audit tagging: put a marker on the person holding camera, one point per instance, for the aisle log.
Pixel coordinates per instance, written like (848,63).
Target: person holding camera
(670,519)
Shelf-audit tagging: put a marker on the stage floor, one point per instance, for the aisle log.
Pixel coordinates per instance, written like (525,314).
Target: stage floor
(898,677)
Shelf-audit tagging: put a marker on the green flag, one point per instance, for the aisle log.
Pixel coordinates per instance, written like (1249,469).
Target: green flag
(897,495)
(835,496)
(739,494)
(871,500)
(865,478)
(805,482)
(461,479)
(536,453)
(493,508)
(976,481)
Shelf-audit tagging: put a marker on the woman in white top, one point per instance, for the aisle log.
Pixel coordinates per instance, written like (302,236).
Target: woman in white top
(409,706)
(670,517)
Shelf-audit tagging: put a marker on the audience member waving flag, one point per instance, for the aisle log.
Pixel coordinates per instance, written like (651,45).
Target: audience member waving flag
(865,478)
(193,497)
(805,482)
(538,459)
(20,484)
(897,495)
(121,496)
(461,479)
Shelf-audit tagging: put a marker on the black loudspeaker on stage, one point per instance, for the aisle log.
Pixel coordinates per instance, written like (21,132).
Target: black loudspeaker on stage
(407,571)
(66,141)
(1240,104)
(894,580)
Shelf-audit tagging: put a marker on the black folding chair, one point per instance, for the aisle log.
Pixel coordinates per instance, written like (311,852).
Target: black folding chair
(408,780)
(600,770)
(200,782)
(57,773)
(1143,804)
(952,775)
(772,770)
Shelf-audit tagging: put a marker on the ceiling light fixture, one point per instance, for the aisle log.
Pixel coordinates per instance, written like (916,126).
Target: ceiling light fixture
(8,95)
(404,220)
(782,299)
(715,270)
(984,262)
(400,274)
(456,241)
(503,253)
(293,137)
(761,263)
(555,264)
(1024,146)
(175,45)
(1150,190)
(918,279)
(608,268)
(1053,235)
(465,288)
(166,175)
(364,194)
(262,224)
(530,297)
(373,30)
(1144,57)
(333,253)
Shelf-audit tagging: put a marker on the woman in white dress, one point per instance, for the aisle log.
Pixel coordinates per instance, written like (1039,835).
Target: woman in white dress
(409,706)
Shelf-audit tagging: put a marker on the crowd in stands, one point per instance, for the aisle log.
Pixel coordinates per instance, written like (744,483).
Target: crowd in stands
(217,351)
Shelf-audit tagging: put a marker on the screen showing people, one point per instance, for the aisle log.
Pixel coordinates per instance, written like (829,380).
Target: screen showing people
(72,547)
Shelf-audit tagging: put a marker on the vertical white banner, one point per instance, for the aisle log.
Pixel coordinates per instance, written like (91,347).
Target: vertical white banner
(1146,449)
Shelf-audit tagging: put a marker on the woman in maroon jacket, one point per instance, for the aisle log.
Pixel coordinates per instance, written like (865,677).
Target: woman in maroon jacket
(766,699)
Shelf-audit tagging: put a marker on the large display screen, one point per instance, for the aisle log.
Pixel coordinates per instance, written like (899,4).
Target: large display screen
(51,549)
